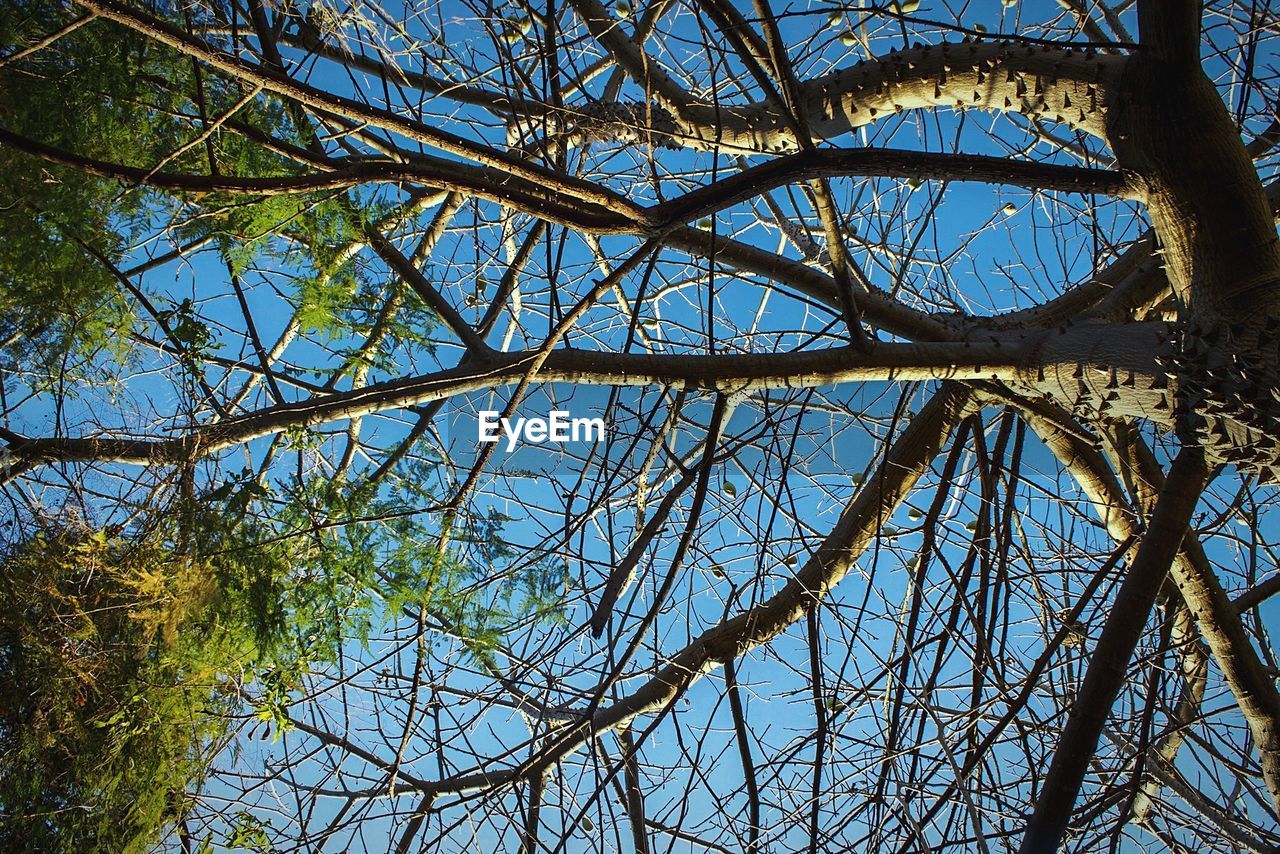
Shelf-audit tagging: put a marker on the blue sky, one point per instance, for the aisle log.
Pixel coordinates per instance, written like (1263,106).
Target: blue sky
(957,247)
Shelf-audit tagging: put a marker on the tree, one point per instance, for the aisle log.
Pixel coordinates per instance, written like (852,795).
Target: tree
(102,734)
(939,346)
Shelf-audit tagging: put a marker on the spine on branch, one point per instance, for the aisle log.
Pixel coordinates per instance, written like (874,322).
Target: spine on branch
(1169,127)
(1049,83)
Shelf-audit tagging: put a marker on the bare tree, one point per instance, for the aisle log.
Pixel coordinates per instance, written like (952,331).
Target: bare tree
(939,342)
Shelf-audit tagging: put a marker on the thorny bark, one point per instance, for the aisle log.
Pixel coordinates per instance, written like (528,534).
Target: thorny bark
(1223,395)
(1218,237)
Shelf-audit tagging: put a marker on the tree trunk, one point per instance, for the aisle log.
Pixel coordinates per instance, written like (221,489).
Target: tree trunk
(1168,125)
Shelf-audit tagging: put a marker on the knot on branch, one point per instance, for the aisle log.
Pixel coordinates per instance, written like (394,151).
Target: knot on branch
(1228,393)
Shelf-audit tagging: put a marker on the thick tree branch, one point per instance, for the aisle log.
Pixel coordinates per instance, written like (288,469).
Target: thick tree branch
(1051,83)
(732,372)
(434,172)
(1219,622)
(1109,663)
(1219,241)
(444,175)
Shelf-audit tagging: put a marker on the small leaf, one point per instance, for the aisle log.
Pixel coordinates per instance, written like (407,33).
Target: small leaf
(729,489)
(1009,209)
(223,492)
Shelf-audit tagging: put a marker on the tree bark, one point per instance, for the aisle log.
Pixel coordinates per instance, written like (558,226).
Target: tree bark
(1220,625)
(1168,125)
(1109,663)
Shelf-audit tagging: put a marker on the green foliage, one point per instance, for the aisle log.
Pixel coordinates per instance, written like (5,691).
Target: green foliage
(52,291)
(106,707)
(124,657)
(321,300)
(340,562)
(248,833)
(107,93)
